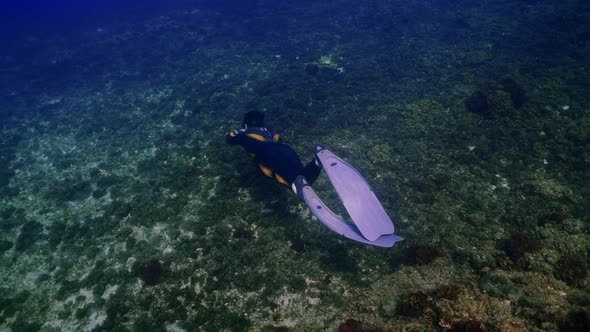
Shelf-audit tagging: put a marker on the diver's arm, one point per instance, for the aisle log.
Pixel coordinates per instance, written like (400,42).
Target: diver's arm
(234,137)
(276,137)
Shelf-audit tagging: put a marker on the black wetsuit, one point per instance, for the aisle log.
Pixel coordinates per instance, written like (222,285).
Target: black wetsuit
(274,158)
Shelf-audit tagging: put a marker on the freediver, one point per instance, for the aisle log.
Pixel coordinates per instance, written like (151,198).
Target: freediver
(274,158)
(370,223)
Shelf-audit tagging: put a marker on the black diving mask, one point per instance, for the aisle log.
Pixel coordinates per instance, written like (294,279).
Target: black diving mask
(253,119)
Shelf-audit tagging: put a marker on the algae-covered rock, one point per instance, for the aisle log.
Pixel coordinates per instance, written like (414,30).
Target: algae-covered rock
(579,132)
(449,292)
(56,232)
(29,234)
(25,324)
(414,304)
(520,244)
(576,320)
(500,98)
(379,154)
(478,311)
(326,61)
(351,325)
(421,254)
(70,190)
(5,245)
(500,102)
(543,185)
(496,284)
(478,103)
(515,90)
(571,268)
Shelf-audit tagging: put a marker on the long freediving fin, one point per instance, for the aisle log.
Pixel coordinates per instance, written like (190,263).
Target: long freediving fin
(329,219)
(360,201)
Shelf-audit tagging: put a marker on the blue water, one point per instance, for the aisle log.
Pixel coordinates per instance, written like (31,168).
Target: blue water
(122,208)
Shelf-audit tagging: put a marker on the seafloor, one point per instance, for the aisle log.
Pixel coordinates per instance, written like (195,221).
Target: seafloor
(123,210)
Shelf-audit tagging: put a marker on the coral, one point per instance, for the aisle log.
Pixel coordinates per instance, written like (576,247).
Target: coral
(151,272)
(351,325)
(421,254)
(414,304)
(571,268)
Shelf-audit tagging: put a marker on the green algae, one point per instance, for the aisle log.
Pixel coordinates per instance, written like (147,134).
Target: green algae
(5,245)
(30,233)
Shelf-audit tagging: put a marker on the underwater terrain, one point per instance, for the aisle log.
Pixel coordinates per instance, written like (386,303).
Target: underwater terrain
(122,208)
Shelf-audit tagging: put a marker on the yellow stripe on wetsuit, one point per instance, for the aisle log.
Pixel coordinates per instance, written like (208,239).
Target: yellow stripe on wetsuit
(257,137)
(281,180)
(269,172)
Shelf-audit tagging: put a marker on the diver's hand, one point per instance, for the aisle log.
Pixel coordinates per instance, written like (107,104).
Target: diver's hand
(232,137)
(235,132)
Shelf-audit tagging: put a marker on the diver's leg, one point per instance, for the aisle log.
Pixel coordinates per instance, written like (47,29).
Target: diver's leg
(311,171)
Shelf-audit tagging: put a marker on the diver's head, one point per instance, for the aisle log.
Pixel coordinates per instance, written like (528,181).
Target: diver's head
(253,119)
